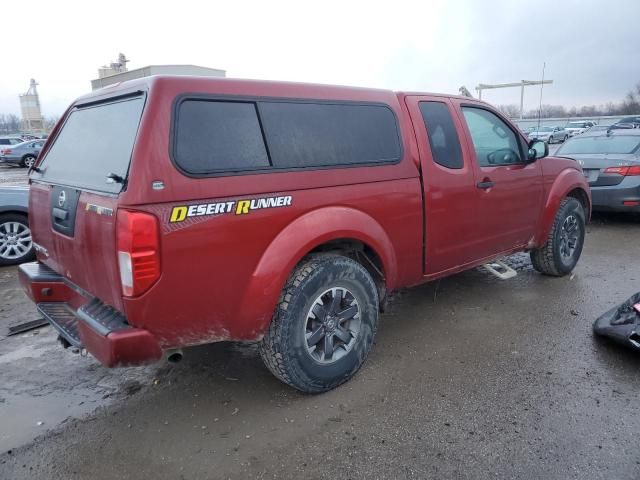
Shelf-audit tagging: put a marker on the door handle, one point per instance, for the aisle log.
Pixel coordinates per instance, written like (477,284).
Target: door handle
(485,184)
(60,214)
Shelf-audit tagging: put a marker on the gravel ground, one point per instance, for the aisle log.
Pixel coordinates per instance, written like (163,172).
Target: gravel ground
(10,175)
(470,377)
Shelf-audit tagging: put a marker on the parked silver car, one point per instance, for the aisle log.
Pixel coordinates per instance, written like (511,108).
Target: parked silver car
(23,154)
(8,141)
(16,245)
(549,134)
(610,160)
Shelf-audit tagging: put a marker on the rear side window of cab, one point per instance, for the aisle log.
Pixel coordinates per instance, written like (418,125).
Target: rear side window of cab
(216,136)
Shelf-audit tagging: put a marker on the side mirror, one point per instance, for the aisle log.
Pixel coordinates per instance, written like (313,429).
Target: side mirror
(537,149)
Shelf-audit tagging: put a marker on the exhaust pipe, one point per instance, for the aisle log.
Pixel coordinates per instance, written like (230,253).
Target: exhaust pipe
(174,356)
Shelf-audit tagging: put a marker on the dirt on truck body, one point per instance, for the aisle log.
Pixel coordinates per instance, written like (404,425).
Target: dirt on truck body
(175,211)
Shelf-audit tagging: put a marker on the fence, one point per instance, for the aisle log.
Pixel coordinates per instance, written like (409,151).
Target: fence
(561,122)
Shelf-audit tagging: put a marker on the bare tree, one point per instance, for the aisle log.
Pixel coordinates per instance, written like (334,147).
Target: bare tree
(511,111)
(631,103)
(9,123)
(50,122)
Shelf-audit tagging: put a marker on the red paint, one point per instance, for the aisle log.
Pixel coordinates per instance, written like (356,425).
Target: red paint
(220,276)
(124,348)
(45,291)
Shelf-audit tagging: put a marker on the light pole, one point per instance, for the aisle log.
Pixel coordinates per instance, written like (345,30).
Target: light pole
(521,84)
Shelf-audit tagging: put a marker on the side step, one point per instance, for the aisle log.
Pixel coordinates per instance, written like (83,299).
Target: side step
(500,270)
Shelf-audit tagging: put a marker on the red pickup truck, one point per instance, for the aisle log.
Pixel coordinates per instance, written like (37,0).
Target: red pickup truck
(175,211)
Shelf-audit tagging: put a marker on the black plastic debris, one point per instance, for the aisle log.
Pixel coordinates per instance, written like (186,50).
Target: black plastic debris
(622,323)
(25,327)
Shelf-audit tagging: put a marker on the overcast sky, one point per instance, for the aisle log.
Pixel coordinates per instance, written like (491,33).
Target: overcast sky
(591,48)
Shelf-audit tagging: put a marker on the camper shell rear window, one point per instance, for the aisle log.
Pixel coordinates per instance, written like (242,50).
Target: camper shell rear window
(95,142)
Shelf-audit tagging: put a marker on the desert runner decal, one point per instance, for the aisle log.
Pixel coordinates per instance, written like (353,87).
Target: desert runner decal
(236,207)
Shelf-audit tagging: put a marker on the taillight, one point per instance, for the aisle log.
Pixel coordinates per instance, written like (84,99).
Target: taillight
(7,151)
(138,251)
(624,171)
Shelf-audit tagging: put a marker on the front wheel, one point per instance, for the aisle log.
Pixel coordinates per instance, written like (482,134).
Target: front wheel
(550,140)
(563,247)
(565,138)
(324,326)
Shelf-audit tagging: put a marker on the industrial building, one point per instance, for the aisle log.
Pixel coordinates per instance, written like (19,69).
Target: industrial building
(117,72)
(32,121)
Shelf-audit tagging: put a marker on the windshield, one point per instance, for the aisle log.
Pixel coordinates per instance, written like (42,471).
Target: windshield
(603,145)
(576,125)
(94,142)
(544,129)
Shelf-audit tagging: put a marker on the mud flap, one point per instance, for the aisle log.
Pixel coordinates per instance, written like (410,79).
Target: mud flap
(622,323)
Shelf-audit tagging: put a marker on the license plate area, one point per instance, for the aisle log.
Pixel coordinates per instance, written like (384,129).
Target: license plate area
(591,174)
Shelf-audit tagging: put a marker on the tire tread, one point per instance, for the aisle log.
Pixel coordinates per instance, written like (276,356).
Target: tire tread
(271,348)
(543,258)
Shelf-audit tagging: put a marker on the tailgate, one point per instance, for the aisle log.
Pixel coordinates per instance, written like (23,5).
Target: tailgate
(85,253)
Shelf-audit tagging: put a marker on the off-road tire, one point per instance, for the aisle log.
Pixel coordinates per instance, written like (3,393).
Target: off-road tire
(28,159)
(284,346)
(548,259)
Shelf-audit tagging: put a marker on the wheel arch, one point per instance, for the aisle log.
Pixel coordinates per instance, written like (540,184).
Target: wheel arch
(582,196)
(330,229)
(569,183)
(14,210)
(362,253)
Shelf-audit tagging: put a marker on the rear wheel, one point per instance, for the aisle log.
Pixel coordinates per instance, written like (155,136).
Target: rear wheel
(28,161)
(563,247)
(16,245)
(565,138)
(324,326)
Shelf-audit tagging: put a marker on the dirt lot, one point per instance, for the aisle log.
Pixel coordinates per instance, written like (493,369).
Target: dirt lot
(10,175)
(470,377)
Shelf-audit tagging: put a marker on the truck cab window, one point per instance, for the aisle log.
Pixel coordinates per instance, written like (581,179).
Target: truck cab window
(494,142)
(443,138)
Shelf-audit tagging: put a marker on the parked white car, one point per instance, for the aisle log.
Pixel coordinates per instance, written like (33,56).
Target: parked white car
(578,127)
(549,134)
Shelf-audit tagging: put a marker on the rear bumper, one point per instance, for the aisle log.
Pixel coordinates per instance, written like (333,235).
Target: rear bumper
(613,198)
(85,322)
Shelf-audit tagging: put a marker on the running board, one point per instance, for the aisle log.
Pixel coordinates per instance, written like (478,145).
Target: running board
(500,270)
